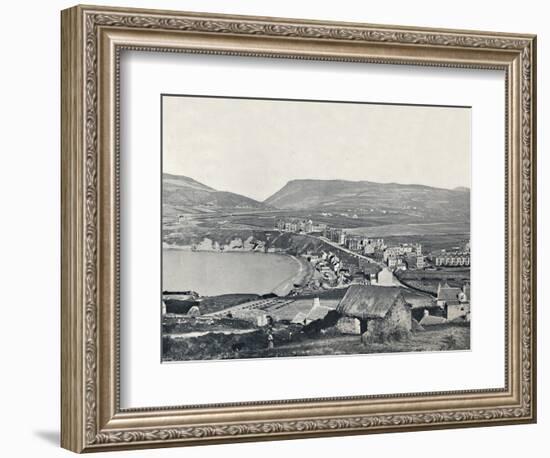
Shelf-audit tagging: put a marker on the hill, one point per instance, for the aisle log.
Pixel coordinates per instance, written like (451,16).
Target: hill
(365,196)
(184,194)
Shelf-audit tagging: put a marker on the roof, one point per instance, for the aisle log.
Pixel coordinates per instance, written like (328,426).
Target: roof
(431,320)
(448,293)
(368,301)
(317,312)
(299,318)
(385,271)
(418,300)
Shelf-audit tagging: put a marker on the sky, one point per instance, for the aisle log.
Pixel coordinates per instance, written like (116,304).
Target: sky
(254,147)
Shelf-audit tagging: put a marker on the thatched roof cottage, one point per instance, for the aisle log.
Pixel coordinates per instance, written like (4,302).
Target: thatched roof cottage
(382,311)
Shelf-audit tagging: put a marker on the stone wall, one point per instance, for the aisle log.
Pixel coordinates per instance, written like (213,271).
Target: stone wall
(349,325)
(457,311)
(396,325)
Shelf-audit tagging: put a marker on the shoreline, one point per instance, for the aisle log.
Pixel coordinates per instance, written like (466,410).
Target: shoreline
(166,246)
(297,279)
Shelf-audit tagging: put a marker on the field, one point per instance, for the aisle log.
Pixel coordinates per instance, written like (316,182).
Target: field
(435,338)
(292,341)
(384,223)
(217,303)
(413,229)
(428,280)
(431,242)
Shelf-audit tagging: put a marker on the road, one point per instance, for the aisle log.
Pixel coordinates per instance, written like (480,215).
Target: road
(395,280)
(353,253)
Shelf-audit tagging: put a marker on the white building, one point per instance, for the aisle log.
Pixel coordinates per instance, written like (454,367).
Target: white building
(385,277)
(317,311)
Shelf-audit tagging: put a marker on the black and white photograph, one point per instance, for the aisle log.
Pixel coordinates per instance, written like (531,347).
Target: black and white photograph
(313,228)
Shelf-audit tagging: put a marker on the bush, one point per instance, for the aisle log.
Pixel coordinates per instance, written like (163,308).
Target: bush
(450,342)
(328,321)
(212,346)
(384,335)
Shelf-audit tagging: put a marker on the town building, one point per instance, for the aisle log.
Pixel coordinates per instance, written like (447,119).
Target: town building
(336,235)
(447,294)
(369,249)
(382,312)
(451,259)
(318,227)
(372,245)
(415,261)
(455,301)
(403,249)
(392,251)
(354,242)
(295,225)
(383,278)
(406,248)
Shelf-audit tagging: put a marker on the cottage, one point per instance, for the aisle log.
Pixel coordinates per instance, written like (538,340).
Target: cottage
(317,311)
(455,301)
(349,325)
(447,294)
(459,309)
(382,312)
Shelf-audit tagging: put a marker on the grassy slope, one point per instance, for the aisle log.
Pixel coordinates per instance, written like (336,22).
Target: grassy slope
(447,337)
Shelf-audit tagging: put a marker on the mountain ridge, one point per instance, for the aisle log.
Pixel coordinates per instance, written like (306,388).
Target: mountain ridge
(423,200)
(184,194)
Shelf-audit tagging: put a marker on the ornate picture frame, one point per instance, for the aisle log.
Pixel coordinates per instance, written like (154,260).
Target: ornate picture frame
(92,41)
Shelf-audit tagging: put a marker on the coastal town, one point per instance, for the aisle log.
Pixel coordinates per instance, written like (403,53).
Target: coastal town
(352,293)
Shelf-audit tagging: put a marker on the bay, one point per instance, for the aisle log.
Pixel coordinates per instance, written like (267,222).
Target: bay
(214,273)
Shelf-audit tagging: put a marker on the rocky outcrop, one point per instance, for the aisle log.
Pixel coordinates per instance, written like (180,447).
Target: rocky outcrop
(236,244)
